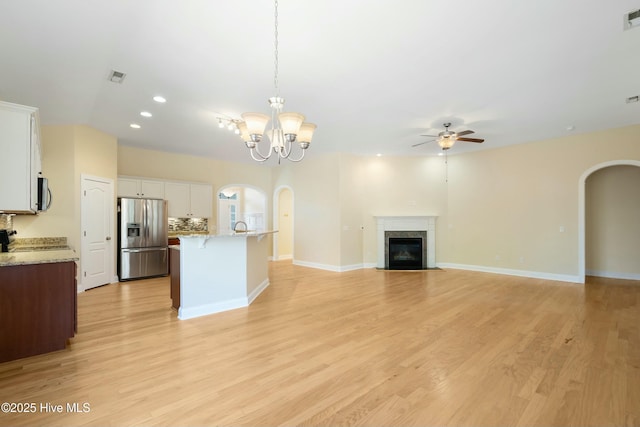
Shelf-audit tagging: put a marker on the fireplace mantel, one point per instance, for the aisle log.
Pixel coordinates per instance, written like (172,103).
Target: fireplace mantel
(407,223)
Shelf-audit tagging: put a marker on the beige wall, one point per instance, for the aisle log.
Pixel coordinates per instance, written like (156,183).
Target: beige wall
(315,184)
(613,222)
(58,165)
(351,192)
(507,207)
(401,186)
(512,209)
(337,195)
(67,153)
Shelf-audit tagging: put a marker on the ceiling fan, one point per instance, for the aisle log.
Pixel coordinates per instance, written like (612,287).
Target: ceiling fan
(447,138)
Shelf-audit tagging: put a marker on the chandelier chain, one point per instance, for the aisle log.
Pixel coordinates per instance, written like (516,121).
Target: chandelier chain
(286,128)
(275,74)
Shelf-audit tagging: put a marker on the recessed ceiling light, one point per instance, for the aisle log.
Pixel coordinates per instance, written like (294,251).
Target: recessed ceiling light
(145,114)
(571,128)
(135,125)
(379,155)
(440,154)
(159,99)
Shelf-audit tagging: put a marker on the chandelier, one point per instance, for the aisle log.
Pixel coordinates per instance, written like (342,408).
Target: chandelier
(286,128)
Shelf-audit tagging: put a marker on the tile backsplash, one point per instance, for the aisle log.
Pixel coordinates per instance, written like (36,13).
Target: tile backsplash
(181,225)
(28,244)
(6,222)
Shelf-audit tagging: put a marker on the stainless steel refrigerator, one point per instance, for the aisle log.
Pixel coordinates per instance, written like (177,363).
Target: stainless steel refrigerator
(142,238)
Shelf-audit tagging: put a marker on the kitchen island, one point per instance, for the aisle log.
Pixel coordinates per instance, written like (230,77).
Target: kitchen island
(220,272)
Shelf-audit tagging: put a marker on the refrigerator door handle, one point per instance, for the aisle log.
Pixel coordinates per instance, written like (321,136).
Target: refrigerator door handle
(143,250)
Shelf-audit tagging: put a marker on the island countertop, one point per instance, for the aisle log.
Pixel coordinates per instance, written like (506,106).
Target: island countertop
(37,257)
(230,234)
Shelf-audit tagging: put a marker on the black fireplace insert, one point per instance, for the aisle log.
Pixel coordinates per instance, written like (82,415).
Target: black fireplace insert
(405,253)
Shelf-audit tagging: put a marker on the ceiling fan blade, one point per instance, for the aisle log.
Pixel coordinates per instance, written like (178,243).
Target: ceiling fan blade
(420,143)
(470,140)
(465,132)
(432,136)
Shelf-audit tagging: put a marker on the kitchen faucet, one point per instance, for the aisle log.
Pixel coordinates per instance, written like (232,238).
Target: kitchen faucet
(236,226)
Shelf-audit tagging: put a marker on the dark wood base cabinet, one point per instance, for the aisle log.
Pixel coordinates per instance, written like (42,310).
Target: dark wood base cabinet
(175,277)
(38,308)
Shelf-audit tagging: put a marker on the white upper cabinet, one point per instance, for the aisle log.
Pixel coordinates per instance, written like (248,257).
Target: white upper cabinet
(201,200)
(140,188)
(178,197)
(21,165)
(187,200)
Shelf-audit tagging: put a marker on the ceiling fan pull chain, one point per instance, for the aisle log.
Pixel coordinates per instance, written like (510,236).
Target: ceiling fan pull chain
(446,167)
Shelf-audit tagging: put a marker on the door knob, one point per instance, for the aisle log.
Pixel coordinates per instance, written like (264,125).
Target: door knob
(108,238)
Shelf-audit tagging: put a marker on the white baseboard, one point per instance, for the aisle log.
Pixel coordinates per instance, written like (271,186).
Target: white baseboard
(613,275)
(512,272)
(257,291)
(334,268)
(206,309)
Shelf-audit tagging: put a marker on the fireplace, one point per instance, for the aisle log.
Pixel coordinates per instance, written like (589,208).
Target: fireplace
(407,227)
(405,253)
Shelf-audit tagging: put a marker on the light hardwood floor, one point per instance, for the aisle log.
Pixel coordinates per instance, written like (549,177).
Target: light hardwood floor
(365,347)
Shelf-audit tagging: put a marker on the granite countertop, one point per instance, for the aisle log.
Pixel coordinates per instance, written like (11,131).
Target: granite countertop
(30,244)
(37,250)
(37,257)
(173,234)
(231,234)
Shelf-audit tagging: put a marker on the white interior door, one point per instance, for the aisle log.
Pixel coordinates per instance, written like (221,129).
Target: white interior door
(97,232)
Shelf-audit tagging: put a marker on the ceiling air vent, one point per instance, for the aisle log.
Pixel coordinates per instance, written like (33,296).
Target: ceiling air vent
(632,20)
(116,76)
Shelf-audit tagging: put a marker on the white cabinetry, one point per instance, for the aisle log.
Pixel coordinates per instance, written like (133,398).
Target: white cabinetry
(130,187)
(201,200)
(187,200)
(21,162)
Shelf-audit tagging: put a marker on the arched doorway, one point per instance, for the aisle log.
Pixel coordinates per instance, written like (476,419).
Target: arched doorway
(241,203)
(283,222)
(582,210)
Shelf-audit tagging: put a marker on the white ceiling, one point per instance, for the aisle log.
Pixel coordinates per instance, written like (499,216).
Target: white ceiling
(373,75)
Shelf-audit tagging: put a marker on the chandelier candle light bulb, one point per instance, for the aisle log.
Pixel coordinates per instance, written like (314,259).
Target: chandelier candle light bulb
(256,123)
(290,123)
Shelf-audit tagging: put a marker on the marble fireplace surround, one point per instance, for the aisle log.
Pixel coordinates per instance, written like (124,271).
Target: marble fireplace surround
(407,223)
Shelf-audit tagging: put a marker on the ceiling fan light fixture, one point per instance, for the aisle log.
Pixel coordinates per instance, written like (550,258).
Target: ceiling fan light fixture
(447,138)
(446,142)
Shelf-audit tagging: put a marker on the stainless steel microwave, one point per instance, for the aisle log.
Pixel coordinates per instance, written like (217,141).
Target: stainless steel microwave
(44,194)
